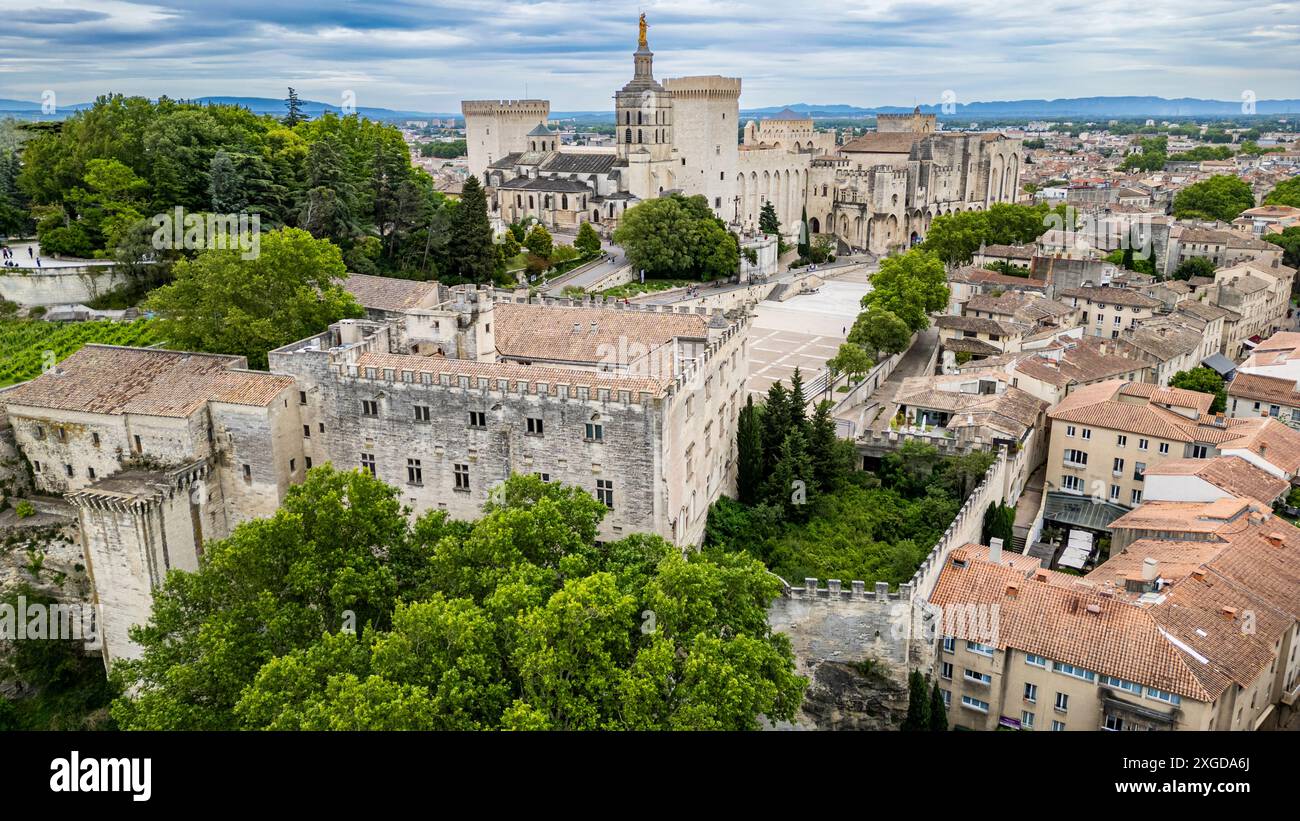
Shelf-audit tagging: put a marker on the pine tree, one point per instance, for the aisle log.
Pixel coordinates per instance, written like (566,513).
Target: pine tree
(768,222)
(829,464)
(938,710)
(918,703)
(791,484)
(776,424)
(749,453)
(798,402)
(470,247)
(295,115)
(225,188)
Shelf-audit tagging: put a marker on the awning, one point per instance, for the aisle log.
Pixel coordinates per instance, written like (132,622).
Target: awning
(1219,363)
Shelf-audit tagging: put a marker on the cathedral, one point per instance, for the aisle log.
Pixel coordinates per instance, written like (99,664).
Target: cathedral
(875,194)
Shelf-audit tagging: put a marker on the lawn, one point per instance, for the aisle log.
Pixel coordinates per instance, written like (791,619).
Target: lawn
(650,286)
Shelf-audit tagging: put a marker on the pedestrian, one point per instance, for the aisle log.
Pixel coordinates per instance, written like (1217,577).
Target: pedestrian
(29,252)
(38,262)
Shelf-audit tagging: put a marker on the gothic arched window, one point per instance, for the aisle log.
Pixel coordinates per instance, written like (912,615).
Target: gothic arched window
(629,136)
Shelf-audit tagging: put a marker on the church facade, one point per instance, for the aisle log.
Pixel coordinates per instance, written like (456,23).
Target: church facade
(876,193)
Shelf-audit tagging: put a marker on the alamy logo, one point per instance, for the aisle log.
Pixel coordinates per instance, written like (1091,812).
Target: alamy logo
(176,230)
(36,621)
(128,775)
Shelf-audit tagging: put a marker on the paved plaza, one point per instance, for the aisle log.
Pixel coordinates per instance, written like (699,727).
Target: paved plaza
(801,332)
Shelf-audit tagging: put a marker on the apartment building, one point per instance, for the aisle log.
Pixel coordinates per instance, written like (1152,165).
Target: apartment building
(1103,437)
(1257,295)
(1107,311)
(1165,635)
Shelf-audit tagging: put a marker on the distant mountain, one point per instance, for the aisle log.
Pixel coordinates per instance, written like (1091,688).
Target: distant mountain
(1072,107)
(258,105)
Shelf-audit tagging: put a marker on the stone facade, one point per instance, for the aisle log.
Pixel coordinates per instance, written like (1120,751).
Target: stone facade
(878,193)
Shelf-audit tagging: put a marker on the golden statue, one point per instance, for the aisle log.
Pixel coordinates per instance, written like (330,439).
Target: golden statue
(641,41)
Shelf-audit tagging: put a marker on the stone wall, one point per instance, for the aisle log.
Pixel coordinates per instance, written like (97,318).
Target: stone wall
(59,286)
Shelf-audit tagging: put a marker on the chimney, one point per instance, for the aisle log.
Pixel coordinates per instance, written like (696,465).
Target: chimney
(1012,590)
(1262,447)
(593,327)
(1274,539)
(1228,613)
(995,550)
(1094,609)
(577,327)
(1040,575)
(1149,569)
(1199,574)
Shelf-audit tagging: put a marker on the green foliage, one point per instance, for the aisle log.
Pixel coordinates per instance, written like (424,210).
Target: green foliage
(340,178)
(956,237)
(749,452)
(768,222)
(587,241)
(1218,198)
(444,150)
(880,331)
(938,710)
(23,343)
(71,690)
(1194,267)
(911,286)
(918,703)
(1286,192)
(471,256)
(1153,156)
(1204,380)
(223,303)
(851,359)
(24,509)
(515,621)
(1201,153)
(1289,240)
(999,523)
(678,237)
(539,241)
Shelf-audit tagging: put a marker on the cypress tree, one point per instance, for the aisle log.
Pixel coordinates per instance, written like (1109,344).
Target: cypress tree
(749,453)
(938,711)
(798,402)
(805,242)
(918,703)
(792,466)
(776,424)
(829,464)
(470,248)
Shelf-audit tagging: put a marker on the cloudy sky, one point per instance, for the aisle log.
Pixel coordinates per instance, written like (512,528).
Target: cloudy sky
(427,55)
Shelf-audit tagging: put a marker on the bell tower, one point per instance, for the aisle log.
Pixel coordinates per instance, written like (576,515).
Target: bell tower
(643,111)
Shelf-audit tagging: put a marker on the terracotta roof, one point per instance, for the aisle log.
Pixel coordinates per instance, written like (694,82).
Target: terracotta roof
(1231,474)
(975,275)
(1184,517)
(390,293)
(1273,389)
(114,380)
(545,333)
(979,325)
(1073,625)
(1105,295)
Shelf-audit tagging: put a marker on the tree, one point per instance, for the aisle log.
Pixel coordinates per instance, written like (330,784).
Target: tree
(471,256)
(587,241)
(1194,267)
(1219,198)
(776,424)
(225,188)
(224,303)
(678,237)
(911,286)
(999,523)
(1204,380)
(294,114)
(805,246)
(1289,240)
(749,453)
(768,222)
(831,461)
(515,621)
(918,703)
(938,711)
(539,241)
(798,403)
(880,331)
(792,484)
(1286,192)
(852,360)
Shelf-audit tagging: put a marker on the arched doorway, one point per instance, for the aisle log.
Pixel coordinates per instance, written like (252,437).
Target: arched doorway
(814,226)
